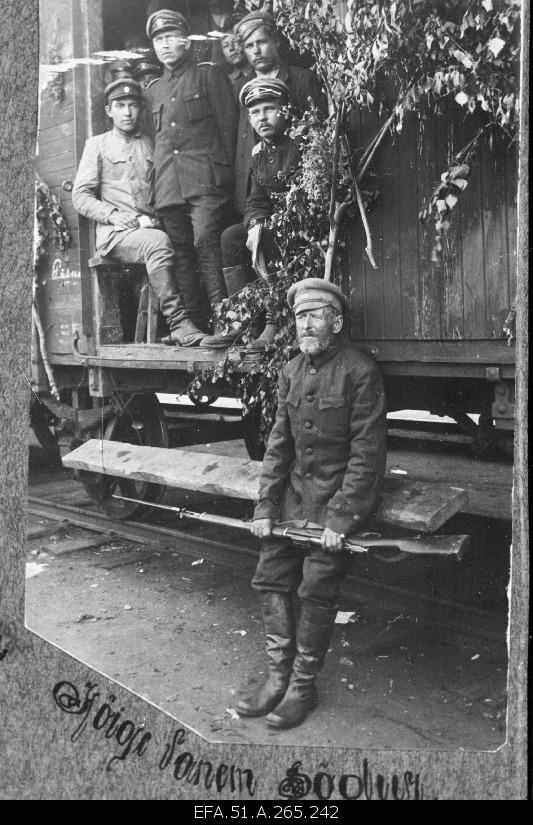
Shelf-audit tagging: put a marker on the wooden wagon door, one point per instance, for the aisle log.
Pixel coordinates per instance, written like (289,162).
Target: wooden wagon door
(70,110)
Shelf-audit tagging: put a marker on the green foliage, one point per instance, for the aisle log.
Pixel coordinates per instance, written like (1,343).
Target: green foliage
(50,223)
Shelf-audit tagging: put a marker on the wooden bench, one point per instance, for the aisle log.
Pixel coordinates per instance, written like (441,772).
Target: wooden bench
(407,504)
(106,276)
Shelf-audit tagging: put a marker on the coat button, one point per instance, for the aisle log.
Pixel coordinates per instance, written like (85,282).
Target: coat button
(309,450)
(172,99)
(313,370)
(309,397)
(176,151)
(308,425)
(172,122)
(308,475)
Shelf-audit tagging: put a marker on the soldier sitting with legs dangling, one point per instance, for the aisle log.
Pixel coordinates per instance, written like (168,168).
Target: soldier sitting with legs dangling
(113,187)
(249,248)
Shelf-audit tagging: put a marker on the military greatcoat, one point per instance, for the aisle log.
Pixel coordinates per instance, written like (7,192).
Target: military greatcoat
(325,459)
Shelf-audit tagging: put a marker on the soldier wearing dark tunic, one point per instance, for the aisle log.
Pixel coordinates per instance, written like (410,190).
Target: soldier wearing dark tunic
(194,121)
(324,464)
(259,37)
(249,247)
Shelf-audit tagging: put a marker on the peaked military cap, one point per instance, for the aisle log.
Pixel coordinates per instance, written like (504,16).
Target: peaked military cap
(144,68)
(255,20)
(164,20)
(263,88)
(125,87)
(315,293)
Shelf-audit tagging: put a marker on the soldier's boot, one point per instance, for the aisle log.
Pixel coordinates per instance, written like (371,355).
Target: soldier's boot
(313,635)
(172,306)
(266,338)
(219,338)
(236,278)
(279,625)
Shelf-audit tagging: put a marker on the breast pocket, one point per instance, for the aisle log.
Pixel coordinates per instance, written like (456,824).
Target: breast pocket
(334,413)
(197,107)
(114,167)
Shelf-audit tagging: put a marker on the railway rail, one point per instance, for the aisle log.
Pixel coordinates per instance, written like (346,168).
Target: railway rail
(395,602)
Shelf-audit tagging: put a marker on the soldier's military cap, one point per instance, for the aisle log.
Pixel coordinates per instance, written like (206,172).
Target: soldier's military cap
(144,68)
(120,69)
(263,88)
(126,87)
(315,293)
(255,20)
(165,20)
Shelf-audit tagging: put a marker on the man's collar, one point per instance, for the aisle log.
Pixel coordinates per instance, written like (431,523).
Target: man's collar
(274,145)
(116,135)
(241,71)
(283,72)
(322,357)
(178,69)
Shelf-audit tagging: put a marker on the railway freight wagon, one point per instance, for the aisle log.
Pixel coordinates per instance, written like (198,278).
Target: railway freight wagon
(436,329)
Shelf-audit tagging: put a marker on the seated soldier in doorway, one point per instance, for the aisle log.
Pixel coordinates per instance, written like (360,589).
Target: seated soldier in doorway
(249,247)
(113,187)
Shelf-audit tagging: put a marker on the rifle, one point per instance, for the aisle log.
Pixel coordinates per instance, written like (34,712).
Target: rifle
(301,535)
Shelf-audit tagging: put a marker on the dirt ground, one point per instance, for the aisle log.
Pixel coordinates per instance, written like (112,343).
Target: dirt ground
(181,627)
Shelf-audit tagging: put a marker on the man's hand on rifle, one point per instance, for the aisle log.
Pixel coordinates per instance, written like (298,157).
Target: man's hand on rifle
(262,527)
(332,541)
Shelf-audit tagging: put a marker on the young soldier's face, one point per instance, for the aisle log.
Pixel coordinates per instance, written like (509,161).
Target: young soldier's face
(267,119)
(316,329)
(232,50)
(262,51)
(170,46)
(125,114)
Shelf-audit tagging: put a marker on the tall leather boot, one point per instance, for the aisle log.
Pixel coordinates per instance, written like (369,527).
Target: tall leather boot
(172,306)
(315,628)
(278,621)
(267,336)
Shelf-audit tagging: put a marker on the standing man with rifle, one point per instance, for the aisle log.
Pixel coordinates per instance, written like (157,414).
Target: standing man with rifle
(325,463)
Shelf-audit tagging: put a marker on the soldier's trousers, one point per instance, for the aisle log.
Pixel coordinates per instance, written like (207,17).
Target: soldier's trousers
(235,251)
(152,248)
(315,574)
(194,229)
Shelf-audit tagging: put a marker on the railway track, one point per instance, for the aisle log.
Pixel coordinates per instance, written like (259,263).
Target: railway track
(391,601)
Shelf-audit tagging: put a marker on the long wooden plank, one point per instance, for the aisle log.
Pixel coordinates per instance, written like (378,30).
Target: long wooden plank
(408,504)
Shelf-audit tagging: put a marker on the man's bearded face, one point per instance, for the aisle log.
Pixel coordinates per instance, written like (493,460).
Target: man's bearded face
(316,329)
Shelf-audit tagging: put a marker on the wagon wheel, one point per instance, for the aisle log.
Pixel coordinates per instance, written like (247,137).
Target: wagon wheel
(43,423)
(140,422)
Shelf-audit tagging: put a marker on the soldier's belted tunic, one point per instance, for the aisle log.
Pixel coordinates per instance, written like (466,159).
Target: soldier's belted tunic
(325,462)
